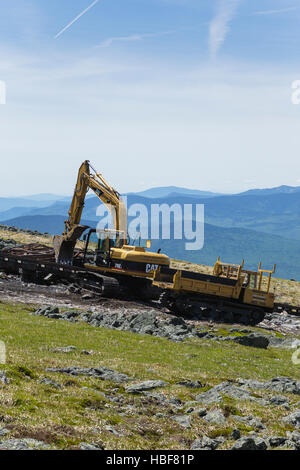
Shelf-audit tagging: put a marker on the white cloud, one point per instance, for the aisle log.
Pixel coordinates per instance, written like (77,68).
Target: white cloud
(134,37)
(219,26)
(275,12)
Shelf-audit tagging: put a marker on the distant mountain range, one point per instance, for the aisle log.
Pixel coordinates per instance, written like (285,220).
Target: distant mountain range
(167,191)
(257,224)
(278,190)
(46,197)
(52,224)
(7,203)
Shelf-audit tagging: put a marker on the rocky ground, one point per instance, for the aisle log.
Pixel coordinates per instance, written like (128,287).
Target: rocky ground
(183,414)
(68,399)
(206,414)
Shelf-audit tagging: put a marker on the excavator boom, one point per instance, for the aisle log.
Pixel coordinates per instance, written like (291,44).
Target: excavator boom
(64,244)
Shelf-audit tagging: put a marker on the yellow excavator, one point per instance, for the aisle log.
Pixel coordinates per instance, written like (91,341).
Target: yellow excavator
(108,253)
(112,265)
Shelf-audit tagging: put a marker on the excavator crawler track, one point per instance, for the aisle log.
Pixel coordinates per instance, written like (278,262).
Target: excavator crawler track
(101,285)
(110,287)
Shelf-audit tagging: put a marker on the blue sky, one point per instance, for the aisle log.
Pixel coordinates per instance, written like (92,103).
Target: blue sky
(153,92)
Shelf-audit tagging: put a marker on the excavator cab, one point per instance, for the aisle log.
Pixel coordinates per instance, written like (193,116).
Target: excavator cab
(109,249)
(98,245)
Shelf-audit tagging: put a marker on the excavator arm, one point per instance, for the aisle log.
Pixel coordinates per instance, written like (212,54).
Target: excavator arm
(64,244)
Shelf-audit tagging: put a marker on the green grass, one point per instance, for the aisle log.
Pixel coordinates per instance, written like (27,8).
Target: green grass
(79,411)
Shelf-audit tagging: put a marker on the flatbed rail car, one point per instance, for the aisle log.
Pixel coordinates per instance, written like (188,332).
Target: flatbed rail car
(38,272)
(232,291)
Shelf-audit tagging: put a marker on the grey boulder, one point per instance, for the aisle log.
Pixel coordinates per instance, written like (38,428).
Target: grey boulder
(253,340)
(143,386)
(250,443)
(183,421)
(22,444)
(206,443)
(293,419)
(215,417)
(102,373)
(86,446)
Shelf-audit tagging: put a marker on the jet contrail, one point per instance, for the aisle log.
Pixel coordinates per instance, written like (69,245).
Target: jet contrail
(220,25)
(75,19)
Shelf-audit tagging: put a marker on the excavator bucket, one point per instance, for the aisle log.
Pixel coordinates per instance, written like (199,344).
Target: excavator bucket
(64,244)
(63,249)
